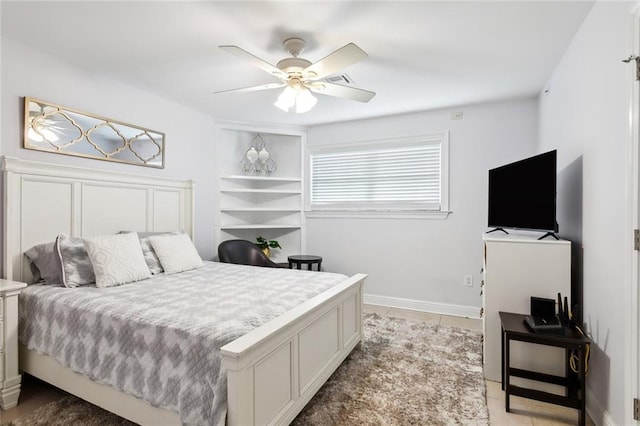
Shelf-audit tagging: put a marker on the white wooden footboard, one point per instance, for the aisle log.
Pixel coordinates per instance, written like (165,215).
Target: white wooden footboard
(273,371)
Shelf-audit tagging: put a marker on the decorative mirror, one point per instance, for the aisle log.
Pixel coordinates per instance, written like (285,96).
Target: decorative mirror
(54,128)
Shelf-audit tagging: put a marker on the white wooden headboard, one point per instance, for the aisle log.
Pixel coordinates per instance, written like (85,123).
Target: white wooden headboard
(41,200)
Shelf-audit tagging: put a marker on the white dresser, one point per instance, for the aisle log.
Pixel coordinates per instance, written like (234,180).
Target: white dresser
(517,267)
(10,380)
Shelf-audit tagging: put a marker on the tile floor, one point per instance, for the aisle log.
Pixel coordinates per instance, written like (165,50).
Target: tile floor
(523,411)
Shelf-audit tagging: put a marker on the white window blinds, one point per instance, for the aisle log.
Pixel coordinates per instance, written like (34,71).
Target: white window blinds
(396,178)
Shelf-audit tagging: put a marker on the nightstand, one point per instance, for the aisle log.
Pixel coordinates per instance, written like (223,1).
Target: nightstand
(575,383)
(10,379)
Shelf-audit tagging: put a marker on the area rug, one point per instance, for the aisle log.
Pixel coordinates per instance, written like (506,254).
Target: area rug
(403,373)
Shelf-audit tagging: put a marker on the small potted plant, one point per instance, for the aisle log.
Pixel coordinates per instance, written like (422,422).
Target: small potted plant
(267,245)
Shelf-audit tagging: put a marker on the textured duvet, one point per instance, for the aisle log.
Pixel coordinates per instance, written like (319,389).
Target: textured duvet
(160,339)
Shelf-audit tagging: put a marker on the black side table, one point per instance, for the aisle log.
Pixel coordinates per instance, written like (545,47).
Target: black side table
(305,259)
(513,328)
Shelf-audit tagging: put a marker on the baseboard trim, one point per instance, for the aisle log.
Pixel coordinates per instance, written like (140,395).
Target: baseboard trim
(596,411)
(423,306)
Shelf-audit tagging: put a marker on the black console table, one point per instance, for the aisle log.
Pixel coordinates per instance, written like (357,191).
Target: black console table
(513,328)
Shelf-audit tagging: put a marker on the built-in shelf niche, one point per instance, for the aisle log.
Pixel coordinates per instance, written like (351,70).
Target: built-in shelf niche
(252,205)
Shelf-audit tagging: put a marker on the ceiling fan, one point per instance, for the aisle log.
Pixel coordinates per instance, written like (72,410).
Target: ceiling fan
(299,76)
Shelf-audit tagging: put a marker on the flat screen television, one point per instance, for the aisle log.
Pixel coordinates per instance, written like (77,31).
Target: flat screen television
(522,195)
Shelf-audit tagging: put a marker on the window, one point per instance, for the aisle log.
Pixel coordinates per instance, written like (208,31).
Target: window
(400,176)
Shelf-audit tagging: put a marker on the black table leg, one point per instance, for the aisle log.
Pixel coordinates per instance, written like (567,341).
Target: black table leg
(582,375)
(567,372)
(502,357)
(506,373)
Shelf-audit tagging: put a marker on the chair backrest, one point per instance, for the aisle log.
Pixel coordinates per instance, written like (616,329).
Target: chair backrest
(243,252)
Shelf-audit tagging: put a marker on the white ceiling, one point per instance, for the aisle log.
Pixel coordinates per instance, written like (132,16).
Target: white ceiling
(422,55)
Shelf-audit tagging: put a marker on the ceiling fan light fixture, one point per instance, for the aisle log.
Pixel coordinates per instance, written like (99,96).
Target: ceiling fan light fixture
(287,99)
(305,101)
(296,94)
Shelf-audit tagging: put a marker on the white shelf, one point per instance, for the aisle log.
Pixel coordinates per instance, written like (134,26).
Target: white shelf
(262,191)
(259,209)
(259,226)
(261,178)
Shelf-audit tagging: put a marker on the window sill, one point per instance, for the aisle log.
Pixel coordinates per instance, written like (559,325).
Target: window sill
(379,214)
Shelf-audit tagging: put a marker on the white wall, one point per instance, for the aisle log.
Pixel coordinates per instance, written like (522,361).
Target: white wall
(189,134)
(584,116)
(425,260)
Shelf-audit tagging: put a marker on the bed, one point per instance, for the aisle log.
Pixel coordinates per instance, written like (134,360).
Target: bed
(272,371)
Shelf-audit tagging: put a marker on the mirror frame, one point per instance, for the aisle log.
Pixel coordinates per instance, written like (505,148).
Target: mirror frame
(85,137)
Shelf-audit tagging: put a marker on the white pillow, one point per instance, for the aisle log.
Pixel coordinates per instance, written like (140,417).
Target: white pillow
(116,259)
(176,253)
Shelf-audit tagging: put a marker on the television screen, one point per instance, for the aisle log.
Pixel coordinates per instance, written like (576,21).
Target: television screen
(523,194)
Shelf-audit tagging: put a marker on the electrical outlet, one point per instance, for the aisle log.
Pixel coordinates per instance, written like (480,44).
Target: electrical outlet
(468,280)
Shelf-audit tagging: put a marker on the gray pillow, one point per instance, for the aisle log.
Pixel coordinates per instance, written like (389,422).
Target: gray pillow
(76,265)
(150,257)
(45,263)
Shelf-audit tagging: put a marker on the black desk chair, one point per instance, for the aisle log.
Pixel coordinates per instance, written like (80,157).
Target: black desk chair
(243,252)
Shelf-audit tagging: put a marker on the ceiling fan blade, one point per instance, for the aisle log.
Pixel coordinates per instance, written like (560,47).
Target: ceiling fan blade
(339,91)
(341,58)
(253,88)
(263,65)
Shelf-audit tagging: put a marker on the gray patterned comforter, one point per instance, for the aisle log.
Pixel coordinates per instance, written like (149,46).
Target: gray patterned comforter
(159,339)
